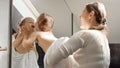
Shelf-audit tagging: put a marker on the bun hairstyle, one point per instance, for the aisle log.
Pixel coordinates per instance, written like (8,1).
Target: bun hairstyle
(45,22)
(100,14)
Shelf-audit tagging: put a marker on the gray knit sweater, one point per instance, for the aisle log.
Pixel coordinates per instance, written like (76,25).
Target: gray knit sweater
(89,49)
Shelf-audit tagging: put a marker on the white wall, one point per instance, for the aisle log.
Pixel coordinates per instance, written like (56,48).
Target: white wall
(112,7)
(4,32)
(114,20)
(59,11)
(62,15)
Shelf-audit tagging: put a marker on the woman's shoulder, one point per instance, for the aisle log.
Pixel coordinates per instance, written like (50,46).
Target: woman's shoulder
(82,32)
(88,31)
(63,38)
(38,33)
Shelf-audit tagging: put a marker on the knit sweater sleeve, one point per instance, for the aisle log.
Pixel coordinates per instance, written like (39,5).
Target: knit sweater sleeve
(66,48)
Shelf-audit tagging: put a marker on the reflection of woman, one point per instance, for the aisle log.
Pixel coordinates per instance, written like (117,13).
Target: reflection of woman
(24,55)
(88,46)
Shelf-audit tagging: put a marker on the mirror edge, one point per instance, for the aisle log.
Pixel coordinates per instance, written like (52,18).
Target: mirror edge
(10,33)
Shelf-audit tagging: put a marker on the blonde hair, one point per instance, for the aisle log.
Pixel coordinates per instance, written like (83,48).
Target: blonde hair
(23,20)
(100,15)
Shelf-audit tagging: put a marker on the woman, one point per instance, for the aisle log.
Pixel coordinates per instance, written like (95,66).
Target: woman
(89,47)
(24,54)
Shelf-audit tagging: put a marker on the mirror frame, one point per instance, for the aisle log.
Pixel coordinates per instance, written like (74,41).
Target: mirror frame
(10,33)
(10,30)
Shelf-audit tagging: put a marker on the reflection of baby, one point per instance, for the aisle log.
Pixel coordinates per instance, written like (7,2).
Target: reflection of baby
(3,49)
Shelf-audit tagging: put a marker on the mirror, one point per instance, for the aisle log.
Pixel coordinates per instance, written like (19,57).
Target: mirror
(33,8)
(66,17)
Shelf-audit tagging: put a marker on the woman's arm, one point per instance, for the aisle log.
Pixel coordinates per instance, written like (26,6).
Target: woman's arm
(28,43)
(23,45)
(65,49)
(18,40)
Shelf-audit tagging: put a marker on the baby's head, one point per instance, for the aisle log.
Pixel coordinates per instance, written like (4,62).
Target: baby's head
(44,22)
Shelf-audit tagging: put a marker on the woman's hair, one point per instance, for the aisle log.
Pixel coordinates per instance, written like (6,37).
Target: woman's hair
(45,22)
(100,15)
(22,21)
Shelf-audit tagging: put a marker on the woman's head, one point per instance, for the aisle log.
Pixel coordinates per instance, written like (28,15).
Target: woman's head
(44,22)
(26,24)
(94,16)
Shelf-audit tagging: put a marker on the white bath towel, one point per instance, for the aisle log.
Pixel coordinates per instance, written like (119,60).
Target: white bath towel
(27,60)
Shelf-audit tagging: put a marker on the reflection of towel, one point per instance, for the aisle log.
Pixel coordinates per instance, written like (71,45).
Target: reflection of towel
(27,60)
(56,44)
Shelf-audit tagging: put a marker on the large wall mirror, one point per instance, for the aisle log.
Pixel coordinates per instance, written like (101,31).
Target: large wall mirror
(61,14)
(66,21)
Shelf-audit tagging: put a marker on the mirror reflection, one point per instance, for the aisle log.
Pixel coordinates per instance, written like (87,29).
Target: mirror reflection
(29,12)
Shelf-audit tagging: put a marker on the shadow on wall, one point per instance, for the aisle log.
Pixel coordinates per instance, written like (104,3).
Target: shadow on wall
(115,55)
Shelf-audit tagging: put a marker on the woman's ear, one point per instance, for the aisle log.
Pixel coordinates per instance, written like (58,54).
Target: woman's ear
(91,14)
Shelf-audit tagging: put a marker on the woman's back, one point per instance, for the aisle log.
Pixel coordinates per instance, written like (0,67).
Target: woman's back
(94,51)
(45,39)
